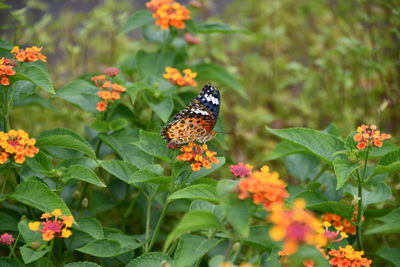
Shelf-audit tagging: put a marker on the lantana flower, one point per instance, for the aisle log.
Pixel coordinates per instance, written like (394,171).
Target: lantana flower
(29,54)
(55,225)
(199,156)
(264,187)
(6,239)
(241,170)
(295,226)
(191,39)
(333,236)
(18,144)
(347,256)
(338,221)
(369,136)
(169,13)
(108,91)
(6,70)
(175,77)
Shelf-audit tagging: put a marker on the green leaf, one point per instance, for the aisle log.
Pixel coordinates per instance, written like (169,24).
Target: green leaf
(153,64)
(283,149)
(391,224)
(389,163)
(391,255)
(64,138)
(137,20)
(343,169)
(29,235)
(217,27)
(303,166)
(80,93)
(334,207)
(7,222)
(37,194)
(83,173)
(207,206)
(102,248)
(118,124)
(305,253)
(100,126)
(236,211)
(193,221)
(320,144)
(152,144)
(82,264)
(128,243)
(30,255)
(213,72)
(386,148)
(191,248)
(204,172)
(150,259)
(259,238)
(90,226)
(9,262)
(40,163)
(120,169)
(145,176)
(198,191)
(312,197)
(378,192)
(162,106)
(37,75)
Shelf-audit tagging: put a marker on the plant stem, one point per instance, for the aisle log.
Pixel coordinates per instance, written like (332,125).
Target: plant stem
(4,185)
(323,169)
(160,220)
(13,247)
(360,182)
(148,219)
(6,111)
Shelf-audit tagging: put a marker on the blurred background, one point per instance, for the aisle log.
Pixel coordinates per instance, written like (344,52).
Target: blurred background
(302,63)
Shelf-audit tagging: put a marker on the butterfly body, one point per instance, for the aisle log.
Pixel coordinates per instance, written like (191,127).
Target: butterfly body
(196,122)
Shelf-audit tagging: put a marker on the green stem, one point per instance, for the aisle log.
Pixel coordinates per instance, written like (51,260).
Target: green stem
(6,111)
(4,185)
(320,173)
(360,182)
(85,185)
(13,247)
(148,219)
(160,220)
(236,253)
(51,249)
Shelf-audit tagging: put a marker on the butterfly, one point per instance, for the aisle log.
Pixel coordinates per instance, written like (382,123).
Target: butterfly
(196,122)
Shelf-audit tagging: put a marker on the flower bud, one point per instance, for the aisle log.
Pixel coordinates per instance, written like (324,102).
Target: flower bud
(85,202)
(35,245)
(164,263)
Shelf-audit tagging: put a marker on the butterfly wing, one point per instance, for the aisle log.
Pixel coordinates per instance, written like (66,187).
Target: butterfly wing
(196,121)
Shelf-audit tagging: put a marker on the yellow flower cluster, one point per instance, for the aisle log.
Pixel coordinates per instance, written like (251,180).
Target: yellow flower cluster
(53,227)
(29,54)
(169,13)
(17,143)
(175,77)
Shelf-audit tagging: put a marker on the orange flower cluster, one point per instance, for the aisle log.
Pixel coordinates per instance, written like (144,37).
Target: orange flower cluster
(264,187)
(169,13)
(295,226)
(53,227)
(108,91)
(347,256)
(338,221)
(16,142)
(6,70)
(369,136)
(198,155)
(29,54)
(175,77)
(332,236)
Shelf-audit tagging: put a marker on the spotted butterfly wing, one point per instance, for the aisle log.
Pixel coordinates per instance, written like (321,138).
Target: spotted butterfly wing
(196,122)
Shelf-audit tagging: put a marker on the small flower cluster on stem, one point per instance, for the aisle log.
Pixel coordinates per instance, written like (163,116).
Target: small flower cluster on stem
(338,221)
(198,156)
(175,77)
(347,256)
(169,13)
(368,136)
(55,225)
(30,54)
(18,144)
(6,70)
(6,239)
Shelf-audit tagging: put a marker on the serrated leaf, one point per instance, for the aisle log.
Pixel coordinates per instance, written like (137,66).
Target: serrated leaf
(378,192)
(7,222)
(207,206)
(193,221)
(82,264)
(120,169)
(320,144)
(40,163)
(90,226)
(64,138)
(30,255)
(162,106)
(191,248)
(283,149)
(334,207)
(301,165)
(152,144)
(389,163)
(37,75)
(100,126)
(198,191)
(391,224)
(150,259)
(37,194)
(391,255)
(80,93)
(103,248)
(118,124)
(145,176)
(83,173)
(343,169)
(137,20)
(152,63)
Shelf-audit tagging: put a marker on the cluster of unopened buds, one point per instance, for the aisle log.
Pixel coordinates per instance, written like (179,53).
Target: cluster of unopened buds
(175,77)
(368,136)
(30,54)
(169,13)
(55,225)
(17,143)
(198,156)
(6,70)
(6,239)
(108,91)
